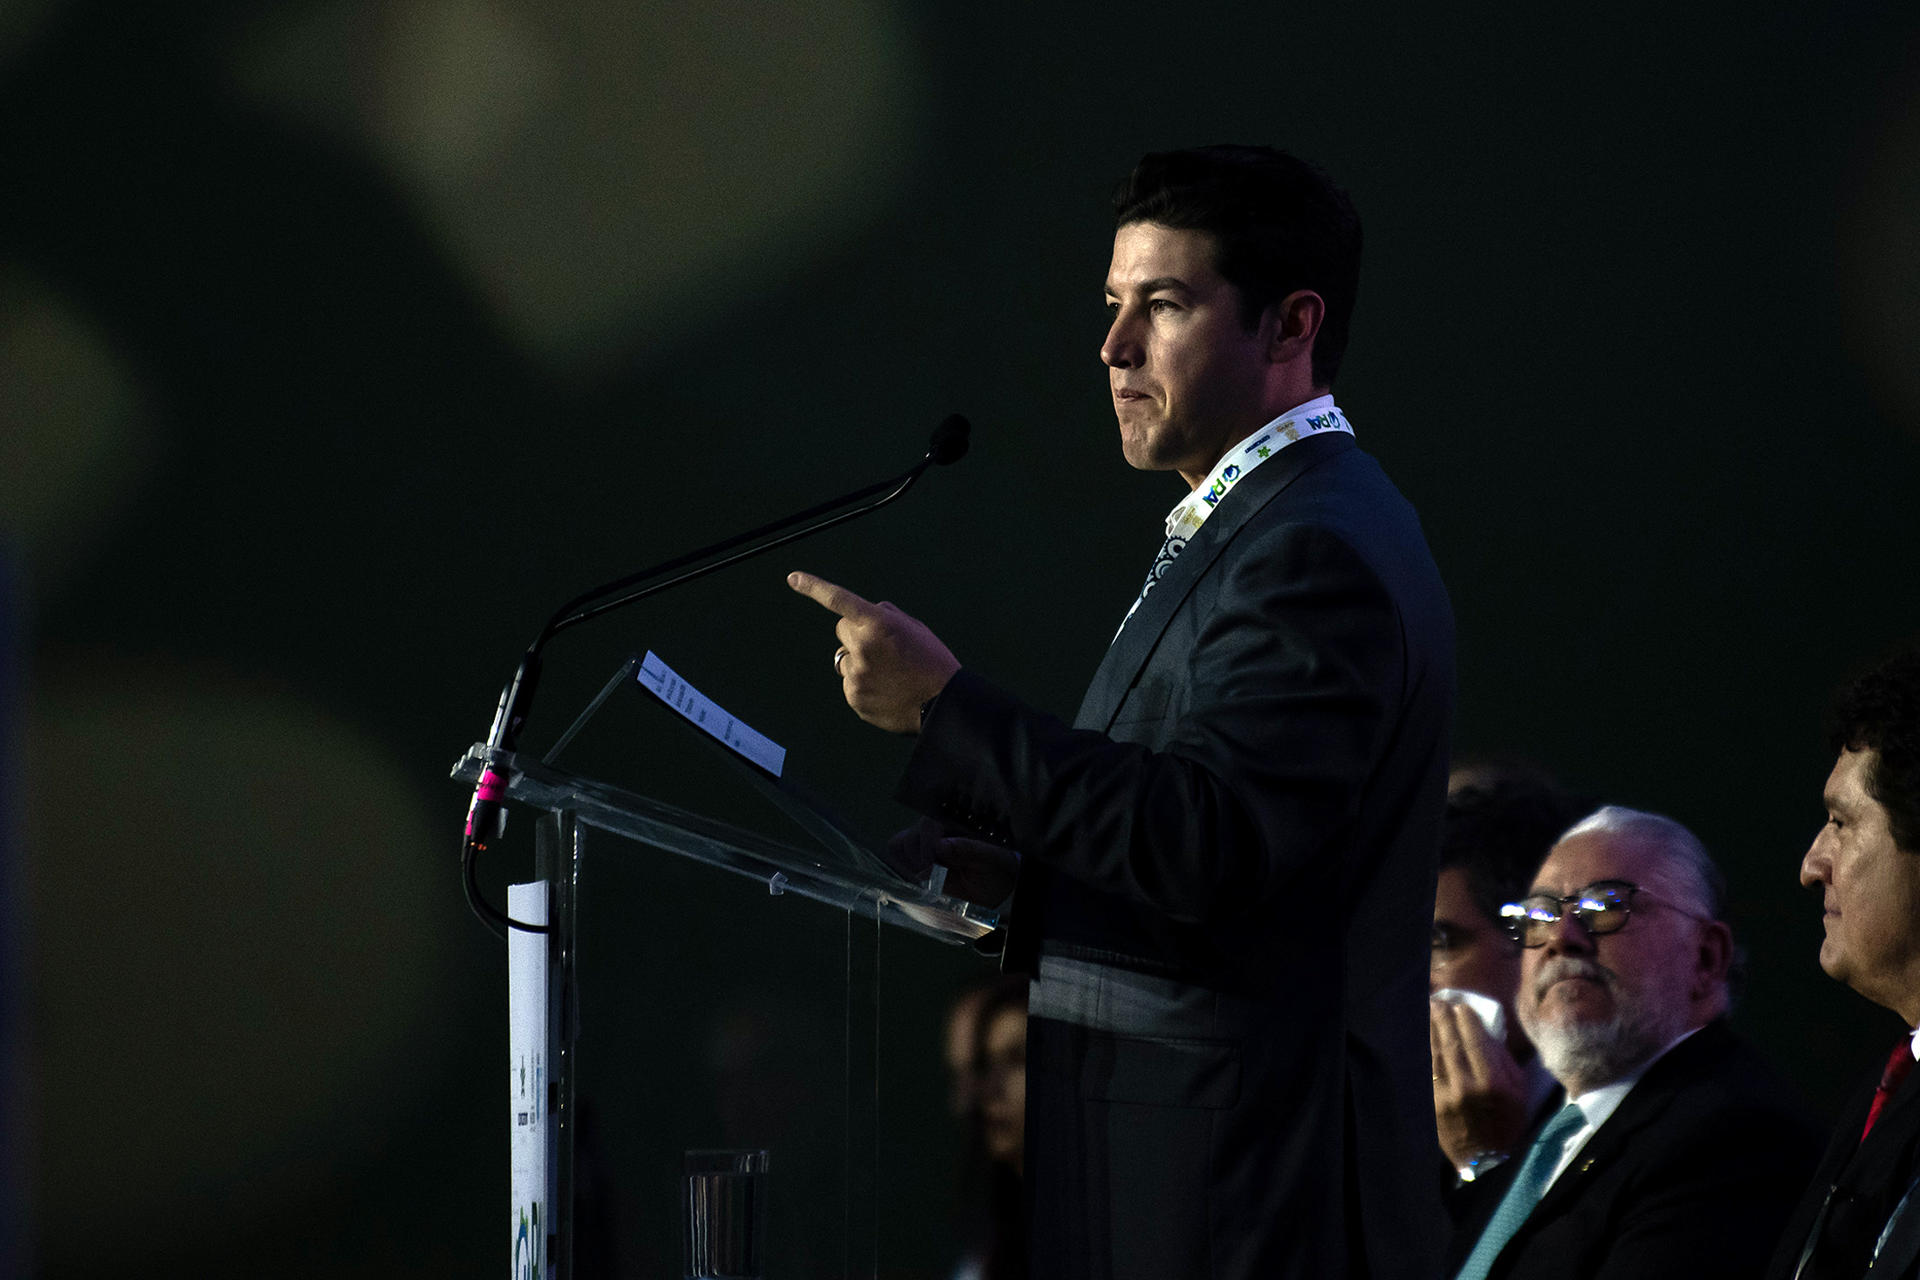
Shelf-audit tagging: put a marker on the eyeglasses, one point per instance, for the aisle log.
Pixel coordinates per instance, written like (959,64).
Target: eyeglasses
(1602,907)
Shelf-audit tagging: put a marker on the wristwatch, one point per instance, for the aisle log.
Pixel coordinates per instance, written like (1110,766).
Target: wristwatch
(1480,1164)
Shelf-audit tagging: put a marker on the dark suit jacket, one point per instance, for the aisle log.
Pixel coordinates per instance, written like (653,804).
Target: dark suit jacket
(1688,1179)
(1859,1184)
(1248,807)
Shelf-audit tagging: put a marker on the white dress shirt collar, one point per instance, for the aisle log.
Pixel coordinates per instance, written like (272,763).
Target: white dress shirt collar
(1598,1106)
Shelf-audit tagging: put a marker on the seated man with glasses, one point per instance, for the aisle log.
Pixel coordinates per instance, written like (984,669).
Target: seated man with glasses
(1679,1151)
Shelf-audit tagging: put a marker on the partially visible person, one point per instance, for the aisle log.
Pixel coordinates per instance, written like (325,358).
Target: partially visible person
(1001,1063)
(958,1043)
(1678,1145)
(990,1076)
(1861,1214)
(1488,1093)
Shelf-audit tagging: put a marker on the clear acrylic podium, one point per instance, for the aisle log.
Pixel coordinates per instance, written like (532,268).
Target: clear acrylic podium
(707,987)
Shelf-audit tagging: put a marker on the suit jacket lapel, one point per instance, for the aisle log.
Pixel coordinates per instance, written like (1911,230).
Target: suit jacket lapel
(1135,644)
(1897,1118)
(1643,1106)
(1847,1160)
(1845,1150)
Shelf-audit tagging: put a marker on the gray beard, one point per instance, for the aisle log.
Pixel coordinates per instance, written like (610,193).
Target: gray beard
(1592,1054)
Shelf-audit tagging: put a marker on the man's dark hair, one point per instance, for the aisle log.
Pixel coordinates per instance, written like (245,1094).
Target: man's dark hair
(1279,224)
(1879,711)
(1499,824)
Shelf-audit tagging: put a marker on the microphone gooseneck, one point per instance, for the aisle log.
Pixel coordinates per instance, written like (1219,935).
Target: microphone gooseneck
(486,814)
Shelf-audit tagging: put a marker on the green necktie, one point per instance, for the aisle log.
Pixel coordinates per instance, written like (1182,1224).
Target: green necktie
(1528,1186)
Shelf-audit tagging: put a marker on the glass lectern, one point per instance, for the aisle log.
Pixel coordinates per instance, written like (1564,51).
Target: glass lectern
(704,996)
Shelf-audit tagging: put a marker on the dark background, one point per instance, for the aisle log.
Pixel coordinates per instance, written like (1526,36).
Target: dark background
(341,340)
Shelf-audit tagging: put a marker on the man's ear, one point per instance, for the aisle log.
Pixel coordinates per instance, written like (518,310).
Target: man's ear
(1298,317)
(1713,960)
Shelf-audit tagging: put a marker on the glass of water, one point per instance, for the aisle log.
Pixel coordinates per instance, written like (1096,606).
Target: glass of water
(723,1202)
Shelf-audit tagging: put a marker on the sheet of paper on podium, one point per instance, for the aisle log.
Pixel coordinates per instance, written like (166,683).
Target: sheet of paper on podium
(763,763)
(703,712)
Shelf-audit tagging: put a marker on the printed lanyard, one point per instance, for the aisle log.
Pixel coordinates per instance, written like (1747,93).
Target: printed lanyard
(1185,519)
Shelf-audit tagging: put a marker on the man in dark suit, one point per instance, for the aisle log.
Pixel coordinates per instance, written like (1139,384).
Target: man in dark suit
(1679,1148)
(1862,1208)
(1226,865)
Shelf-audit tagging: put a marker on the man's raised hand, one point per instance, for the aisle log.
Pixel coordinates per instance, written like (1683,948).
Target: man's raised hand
(888,662)
(1479,1091)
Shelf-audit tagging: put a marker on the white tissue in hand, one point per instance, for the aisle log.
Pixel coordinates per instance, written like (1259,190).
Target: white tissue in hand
(1492,1016)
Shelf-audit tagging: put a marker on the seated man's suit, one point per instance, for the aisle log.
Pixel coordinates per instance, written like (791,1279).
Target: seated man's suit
(1687,1179)
(1838,1226)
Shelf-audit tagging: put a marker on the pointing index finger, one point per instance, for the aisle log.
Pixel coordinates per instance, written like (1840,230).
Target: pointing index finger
(829,596)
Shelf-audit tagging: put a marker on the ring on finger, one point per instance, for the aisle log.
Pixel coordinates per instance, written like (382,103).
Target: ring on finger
(839,656)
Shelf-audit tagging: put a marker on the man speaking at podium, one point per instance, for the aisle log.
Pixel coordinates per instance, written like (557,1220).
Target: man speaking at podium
(1225,865)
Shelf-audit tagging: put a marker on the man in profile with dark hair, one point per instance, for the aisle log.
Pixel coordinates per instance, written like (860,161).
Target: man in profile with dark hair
(1490,1088)
(1863,1207)
(1225,862)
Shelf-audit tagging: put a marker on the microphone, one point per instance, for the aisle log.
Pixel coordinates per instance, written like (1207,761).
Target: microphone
(487,814)
(949,443)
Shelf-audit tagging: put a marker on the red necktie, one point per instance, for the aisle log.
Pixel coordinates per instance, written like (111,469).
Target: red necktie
(1899,1063)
